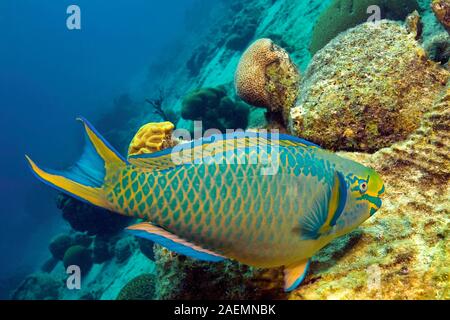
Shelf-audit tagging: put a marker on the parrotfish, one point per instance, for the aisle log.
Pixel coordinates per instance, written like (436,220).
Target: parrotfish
(215,198)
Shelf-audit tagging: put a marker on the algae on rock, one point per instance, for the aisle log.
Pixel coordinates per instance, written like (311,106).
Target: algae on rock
(342,15)
(367,89)
(402,252)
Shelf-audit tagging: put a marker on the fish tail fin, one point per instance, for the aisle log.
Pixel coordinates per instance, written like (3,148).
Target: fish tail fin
(87,179)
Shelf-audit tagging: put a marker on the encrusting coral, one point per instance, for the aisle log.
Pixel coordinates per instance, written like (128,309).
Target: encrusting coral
(79,256)
(342,15)
(414,24)
(267,77)
(405,245)
(140,288)
(441,9)
(59,245)
(369,95)
(152,137)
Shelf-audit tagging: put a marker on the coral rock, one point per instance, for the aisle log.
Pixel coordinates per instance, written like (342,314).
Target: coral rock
(266,77)
(123,249)
(342,15)
(180,277)
(38,286)
(59,245)
(367,89)
(79,256)
(101,250)
(441,9)
(152,137)
(401,252)
(414,24)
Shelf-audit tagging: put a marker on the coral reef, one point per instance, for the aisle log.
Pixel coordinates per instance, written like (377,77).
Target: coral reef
(438,48)
(441,9)
(180,277)
(140,288)
(216,109)
(59,245)
(123,249)
(198,58)
(87,218)
(242,29)
(266,77)
(79,256)
(37,286)
(361,99)
(342,15)
(402,252)
(101,250)
(152,137)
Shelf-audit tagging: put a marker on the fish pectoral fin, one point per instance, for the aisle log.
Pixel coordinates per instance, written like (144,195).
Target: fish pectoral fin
(295,274)
(172,242)
(337,201)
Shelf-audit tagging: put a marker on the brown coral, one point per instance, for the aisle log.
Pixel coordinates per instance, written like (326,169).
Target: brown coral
(266,77)
(441,9)
(152,137)
(367,89)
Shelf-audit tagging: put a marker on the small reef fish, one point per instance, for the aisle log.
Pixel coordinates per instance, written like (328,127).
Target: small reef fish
(220,206)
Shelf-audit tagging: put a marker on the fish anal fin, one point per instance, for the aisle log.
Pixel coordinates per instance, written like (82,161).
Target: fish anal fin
(172,242)
(295,274)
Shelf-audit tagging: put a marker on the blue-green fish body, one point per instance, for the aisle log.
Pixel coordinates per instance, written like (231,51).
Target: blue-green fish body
(262,200)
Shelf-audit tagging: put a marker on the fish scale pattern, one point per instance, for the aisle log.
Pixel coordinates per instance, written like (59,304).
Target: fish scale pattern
(229,206)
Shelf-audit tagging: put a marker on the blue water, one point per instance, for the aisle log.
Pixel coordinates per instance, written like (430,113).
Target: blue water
(48,76)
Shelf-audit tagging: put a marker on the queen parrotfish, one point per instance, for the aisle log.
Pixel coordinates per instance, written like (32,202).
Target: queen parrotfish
(215,198)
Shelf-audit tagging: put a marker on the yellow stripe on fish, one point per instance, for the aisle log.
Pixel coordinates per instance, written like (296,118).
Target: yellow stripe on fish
(265,200)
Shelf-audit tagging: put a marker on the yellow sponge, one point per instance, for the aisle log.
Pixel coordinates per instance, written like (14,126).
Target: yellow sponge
(152,137)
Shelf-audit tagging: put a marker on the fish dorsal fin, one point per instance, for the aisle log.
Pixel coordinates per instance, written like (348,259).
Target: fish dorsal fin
(295,274)
(215,145)
(164,162)
(172,242)
(291,141)
(337,201)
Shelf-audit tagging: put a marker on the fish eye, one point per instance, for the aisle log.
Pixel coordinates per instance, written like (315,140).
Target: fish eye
(363,187)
